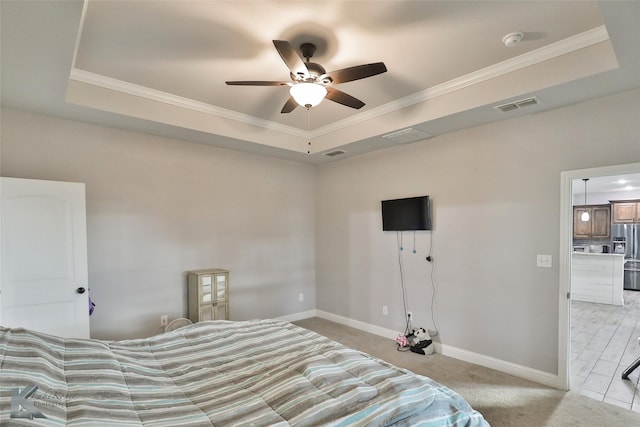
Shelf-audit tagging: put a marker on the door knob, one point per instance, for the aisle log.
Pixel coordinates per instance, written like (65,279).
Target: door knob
(80,290)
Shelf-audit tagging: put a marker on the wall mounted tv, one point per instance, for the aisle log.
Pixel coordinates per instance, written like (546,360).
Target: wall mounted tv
(407,214)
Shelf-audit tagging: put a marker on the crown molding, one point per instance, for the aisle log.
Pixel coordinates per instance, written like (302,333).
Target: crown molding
(562,47)
(105,82)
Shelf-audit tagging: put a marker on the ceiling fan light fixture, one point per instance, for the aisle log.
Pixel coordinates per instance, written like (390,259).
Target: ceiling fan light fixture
(308,94)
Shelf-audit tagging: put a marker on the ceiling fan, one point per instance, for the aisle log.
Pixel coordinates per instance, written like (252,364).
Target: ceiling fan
(310,83)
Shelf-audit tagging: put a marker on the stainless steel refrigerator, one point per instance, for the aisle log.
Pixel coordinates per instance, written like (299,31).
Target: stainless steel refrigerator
(630,235)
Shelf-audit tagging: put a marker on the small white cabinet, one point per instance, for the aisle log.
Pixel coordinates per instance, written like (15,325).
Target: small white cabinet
(208,294)
(597,278)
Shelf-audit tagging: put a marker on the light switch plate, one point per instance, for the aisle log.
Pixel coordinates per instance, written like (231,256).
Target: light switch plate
(543,261)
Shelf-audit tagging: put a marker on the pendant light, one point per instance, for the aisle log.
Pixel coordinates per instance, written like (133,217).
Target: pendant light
(585,215)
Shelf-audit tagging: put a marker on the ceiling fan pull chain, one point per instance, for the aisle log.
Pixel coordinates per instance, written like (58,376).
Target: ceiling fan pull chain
(309,129)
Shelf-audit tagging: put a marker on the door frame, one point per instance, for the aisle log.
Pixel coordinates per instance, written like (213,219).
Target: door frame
(566,247)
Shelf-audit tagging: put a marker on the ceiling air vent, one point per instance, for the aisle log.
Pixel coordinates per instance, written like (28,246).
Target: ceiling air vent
(516,105)
(408,135)
(335,153)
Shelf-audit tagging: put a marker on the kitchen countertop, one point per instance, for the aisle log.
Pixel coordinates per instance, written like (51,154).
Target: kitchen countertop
(597,277)
(597,254)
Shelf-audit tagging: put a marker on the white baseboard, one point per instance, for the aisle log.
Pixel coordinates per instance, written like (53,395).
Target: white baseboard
(367,327)
(516,370)
(299,316)
(541,377)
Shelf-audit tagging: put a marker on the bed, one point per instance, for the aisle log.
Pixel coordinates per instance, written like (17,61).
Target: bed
(220,373)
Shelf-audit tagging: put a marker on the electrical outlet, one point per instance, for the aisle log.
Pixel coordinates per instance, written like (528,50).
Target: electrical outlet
(385,310)
(300,297)
(164,319)
(543,261)
(410,315)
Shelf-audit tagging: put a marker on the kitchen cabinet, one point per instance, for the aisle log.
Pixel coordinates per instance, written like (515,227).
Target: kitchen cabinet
(625,211)
(208,292)
(598,226)
(597,278)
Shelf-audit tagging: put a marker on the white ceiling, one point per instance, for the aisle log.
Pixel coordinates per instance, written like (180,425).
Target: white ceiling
(160,66)
(614,187)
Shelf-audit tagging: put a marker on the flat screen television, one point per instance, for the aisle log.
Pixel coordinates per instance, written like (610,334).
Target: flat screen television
(407,214)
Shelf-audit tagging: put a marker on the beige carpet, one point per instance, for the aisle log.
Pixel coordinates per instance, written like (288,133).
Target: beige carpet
(504,400)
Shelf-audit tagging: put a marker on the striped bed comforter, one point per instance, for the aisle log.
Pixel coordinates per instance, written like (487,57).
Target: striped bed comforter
(221,373)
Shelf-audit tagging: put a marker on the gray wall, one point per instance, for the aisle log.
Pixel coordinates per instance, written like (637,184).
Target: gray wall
(158,207)
(496,205)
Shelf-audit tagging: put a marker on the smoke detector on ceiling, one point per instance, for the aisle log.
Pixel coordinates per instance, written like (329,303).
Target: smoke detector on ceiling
(512,39)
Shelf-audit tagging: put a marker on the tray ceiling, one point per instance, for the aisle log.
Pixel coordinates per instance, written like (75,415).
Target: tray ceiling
(160,66)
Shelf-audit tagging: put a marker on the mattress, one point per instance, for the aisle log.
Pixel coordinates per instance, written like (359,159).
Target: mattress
(220,373)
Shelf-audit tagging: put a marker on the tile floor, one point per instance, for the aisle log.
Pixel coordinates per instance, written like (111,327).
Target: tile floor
(604,342)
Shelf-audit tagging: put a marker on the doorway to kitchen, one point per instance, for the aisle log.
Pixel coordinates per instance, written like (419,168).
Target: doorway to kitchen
(597,341)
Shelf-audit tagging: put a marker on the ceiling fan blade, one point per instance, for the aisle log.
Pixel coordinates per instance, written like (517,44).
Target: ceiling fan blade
(357,72)
(257,83)
(291,58)
(289,106)
(340,97)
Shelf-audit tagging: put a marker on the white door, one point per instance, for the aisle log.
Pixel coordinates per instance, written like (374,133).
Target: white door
(44,278)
